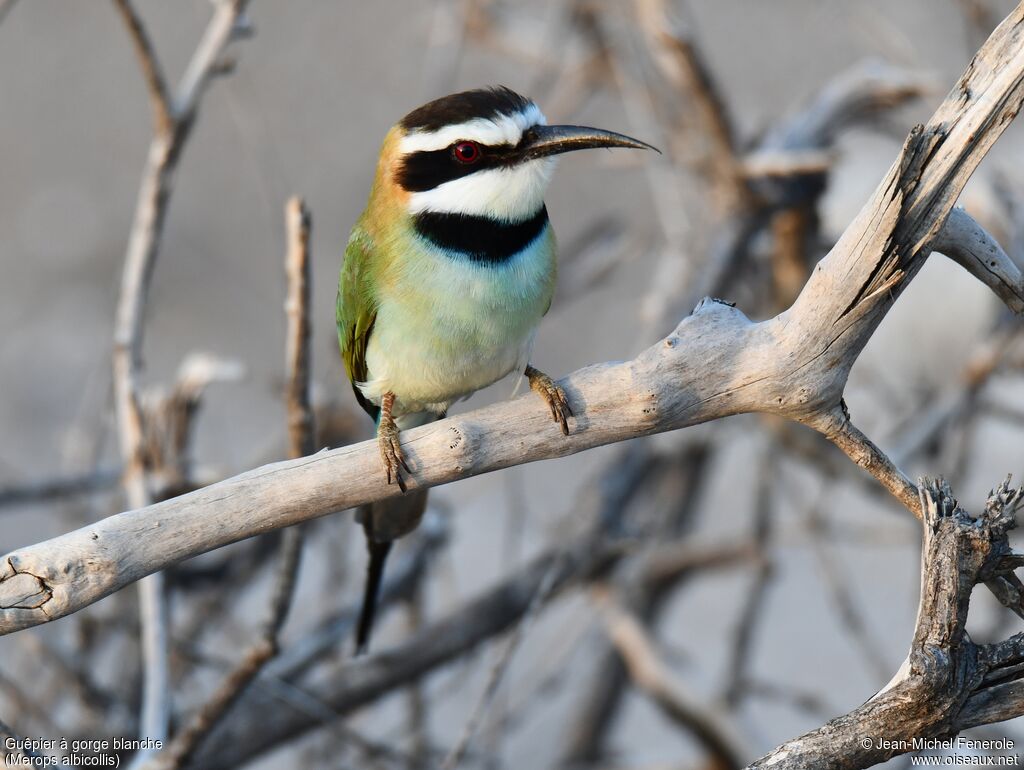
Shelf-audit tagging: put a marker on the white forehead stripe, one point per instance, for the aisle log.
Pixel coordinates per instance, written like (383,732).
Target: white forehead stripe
(503,129)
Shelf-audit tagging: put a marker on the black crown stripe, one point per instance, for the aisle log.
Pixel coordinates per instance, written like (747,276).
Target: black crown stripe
(449,110)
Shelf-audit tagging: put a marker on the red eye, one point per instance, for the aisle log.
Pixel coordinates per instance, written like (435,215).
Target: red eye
(466,152)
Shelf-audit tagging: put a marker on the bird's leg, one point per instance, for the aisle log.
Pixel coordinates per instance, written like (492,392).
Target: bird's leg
(387,441)
(553,396)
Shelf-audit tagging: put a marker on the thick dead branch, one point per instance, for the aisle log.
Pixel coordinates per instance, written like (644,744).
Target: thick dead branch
(951,683)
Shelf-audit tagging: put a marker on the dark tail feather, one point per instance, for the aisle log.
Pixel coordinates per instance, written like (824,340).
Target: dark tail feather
(384,522)
(374,573)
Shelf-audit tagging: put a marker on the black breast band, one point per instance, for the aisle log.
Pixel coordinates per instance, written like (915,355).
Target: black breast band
(480,239)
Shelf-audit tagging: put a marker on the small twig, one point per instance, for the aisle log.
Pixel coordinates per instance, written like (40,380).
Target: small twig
(843,600)
(301,438)
(247,734)
(753,609)
(710,727)
(71,673)
(150,66)
(401,580)
(681,62)
(172,122)
(809,702)
(5,8)
(417,702)
(12,747)
(648,587)
(297,351)
(48,490)
(543,593)
(837,428)
(784,162)
(26,705)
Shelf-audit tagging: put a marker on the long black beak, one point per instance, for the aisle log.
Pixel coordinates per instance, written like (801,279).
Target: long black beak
(542,141)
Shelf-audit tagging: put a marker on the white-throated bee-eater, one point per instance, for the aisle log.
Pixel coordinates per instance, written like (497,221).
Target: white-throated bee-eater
(446,276)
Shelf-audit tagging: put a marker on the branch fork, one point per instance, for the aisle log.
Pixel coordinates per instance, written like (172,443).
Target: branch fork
(949,683)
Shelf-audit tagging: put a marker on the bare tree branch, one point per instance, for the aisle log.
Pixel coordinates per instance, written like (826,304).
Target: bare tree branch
(677,55)
(716,363)
(244,734)
(163,120)
(302,436)
(950,683)
(709,725)
(968,244)
(48,490)
(500,666)
(172,123)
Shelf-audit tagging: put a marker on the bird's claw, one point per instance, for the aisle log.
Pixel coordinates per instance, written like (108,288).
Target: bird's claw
(391,452)
(553,395)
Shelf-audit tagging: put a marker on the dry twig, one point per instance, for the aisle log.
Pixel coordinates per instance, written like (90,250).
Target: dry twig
(173,118)
(302,436)
(709,725)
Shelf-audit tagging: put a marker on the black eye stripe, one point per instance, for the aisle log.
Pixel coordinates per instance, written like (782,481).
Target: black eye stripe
(427,169)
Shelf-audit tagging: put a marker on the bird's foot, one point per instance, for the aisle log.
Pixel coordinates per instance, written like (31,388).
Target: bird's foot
(390,447)
(553,396)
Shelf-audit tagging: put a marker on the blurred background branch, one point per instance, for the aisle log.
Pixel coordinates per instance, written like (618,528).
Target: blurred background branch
(739,562)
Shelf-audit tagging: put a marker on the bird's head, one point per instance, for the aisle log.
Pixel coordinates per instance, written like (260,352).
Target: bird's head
(482,153)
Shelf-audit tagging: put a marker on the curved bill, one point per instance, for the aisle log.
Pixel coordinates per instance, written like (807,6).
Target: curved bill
(541,141)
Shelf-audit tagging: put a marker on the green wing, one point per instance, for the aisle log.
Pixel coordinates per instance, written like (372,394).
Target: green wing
(356,312)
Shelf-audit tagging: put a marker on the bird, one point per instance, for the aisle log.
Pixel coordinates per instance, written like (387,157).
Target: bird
(446,276)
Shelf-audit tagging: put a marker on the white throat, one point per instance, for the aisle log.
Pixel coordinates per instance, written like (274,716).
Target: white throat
(508,194)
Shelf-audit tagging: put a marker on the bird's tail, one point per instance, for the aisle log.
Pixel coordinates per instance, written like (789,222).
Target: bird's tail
(384,522)
(374,573)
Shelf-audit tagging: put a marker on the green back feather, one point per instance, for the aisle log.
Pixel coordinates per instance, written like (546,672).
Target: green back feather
(356,312)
